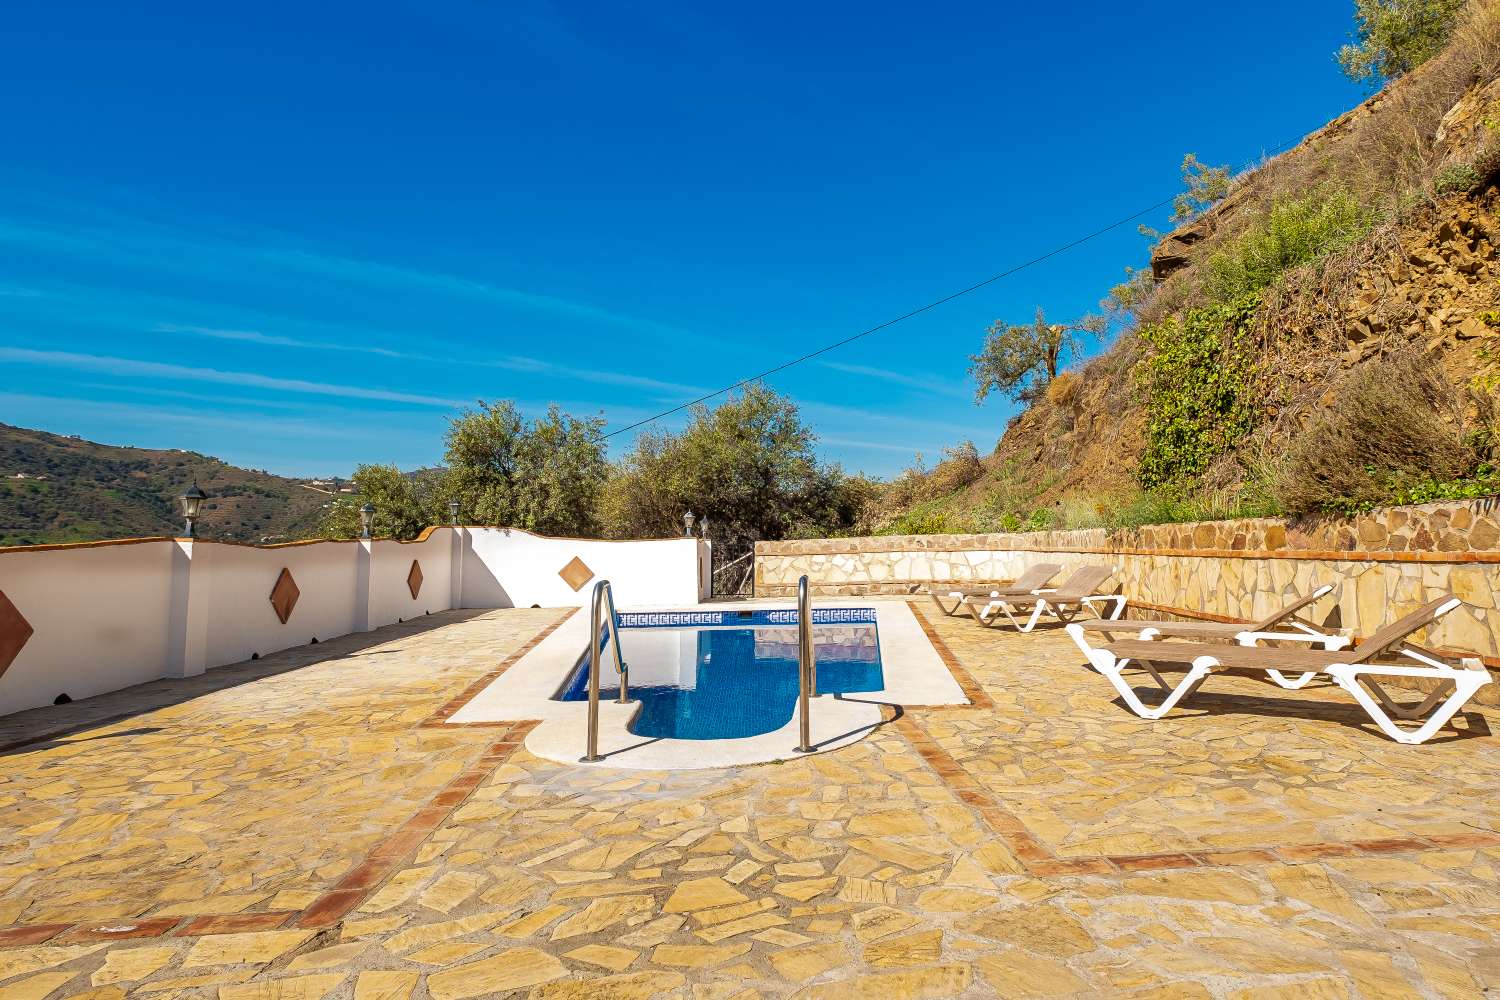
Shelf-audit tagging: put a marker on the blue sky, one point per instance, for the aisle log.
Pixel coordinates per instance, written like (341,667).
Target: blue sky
(301,236)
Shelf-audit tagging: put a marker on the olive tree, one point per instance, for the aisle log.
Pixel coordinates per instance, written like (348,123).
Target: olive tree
(1021,359)
(1393,37)
(748,466)
(544,477)
(405,503)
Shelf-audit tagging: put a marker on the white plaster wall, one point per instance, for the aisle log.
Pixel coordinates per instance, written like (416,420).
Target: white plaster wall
(510,568)
(104,616)
(240,618)
(390,599)
(100,620)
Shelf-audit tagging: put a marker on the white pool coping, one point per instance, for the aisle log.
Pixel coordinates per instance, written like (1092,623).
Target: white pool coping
(914,674)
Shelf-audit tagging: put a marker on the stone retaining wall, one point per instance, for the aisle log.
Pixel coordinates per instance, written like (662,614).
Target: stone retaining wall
(1382,565)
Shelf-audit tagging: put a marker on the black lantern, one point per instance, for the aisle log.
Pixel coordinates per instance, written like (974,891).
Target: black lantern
(192,499)
(453,512)
(687,523)
(703,525)
(366,515)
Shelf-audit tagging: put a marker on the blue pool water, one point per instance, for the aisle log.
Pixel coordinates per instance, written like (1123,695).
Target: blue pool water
(728,683)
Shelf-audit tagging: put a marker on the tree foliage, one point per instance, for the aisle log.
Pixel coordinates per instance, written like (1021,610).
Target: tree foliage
(543,477)
(1204,187)
(405,503)
(1393,37)
(748,466)
(1020,360)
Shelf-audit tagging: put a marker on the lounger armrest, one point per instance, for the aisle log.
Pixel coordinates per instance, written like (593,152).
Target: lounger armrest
(1326,640)
(1397,670)
(1431,658)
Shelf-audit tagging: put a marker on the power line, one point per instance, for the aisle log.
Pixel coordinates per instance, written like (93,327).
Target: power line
(928,307)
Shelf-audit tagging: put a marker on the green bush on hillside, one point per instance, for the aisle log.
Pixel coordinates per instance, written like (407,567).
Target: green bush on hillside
(1294,232)
(1197,380)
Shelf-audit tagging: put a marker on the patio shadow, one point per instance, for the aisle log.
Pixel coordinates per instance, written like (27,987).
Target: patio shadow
(39,728)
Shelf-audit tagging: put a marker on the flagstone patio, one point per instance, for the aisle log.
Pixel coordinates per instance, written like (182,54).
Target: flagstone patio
(308,826)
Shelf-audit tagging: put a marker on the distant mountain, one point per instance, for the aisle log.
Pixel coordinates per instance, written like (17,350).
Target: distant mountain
(65,489)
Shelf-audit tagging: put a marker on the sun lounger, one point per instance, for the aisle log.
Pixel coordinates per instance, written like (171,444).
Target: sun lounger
(1077,593)
(1032,580)
(1283,624)
(1356,670)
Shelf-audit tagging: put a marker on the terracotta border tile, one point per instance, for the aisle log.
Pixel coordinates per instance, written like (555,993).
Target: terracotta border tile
(1393,845)
(1315,852)
(1072,866)
(978,696)
(440,717)
(31,934)
(154,927)
(361,880)
(1476,839)
(1236,859)
(1005,825)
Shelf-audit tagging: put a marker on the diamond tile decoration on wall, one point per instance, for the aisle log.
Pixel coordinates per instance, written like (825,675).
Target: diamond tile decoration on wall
(414,579)
(15,630)
(284,595)
(576,573)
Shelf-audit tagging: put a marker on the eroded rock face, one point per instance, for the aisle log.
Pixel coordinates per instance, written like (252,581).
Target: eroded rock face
(1175,251)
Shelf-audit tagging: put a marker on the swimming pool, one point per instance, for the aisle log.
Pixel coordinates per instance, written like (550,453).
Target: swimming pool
(721,675)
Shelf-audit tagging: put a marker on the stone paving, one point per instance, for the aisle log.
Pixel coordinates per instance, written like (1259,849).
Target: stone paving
(306,826)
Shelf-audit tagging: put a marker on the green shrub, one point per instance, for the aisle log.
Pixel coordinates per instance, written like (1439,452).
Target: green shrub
(928,519)
(1487,378)
(1197,381)
(1455,177)
(1293,232)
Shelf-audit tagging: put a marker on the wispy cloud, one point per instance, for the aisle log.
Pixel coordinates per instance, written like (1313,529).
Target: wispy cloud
(855,418)
(925,383)
(133,368)
(510,362)
(146,243)
(840,442)
(314,430)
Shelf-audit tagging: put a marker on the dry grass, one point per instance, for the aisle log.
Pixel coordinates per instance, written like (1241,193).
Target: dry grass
(1397,422)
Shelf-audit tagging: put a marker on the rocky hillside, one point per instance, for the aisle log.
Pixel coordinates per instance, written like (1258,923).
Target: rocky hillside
(1322,340)
(64,489)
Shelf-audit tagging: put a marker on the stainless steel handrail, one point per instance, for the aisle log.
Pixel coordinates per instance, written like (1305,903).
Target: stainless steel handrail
(807,667)
(603,600)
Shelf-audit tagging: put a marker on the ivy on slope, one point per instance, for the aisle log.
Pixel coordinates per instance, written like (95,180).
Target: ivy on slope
(1198,382)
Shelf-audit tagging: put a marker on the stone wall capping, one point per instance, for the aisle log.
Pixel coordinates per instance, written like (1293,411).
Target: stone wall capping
(1382,564)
